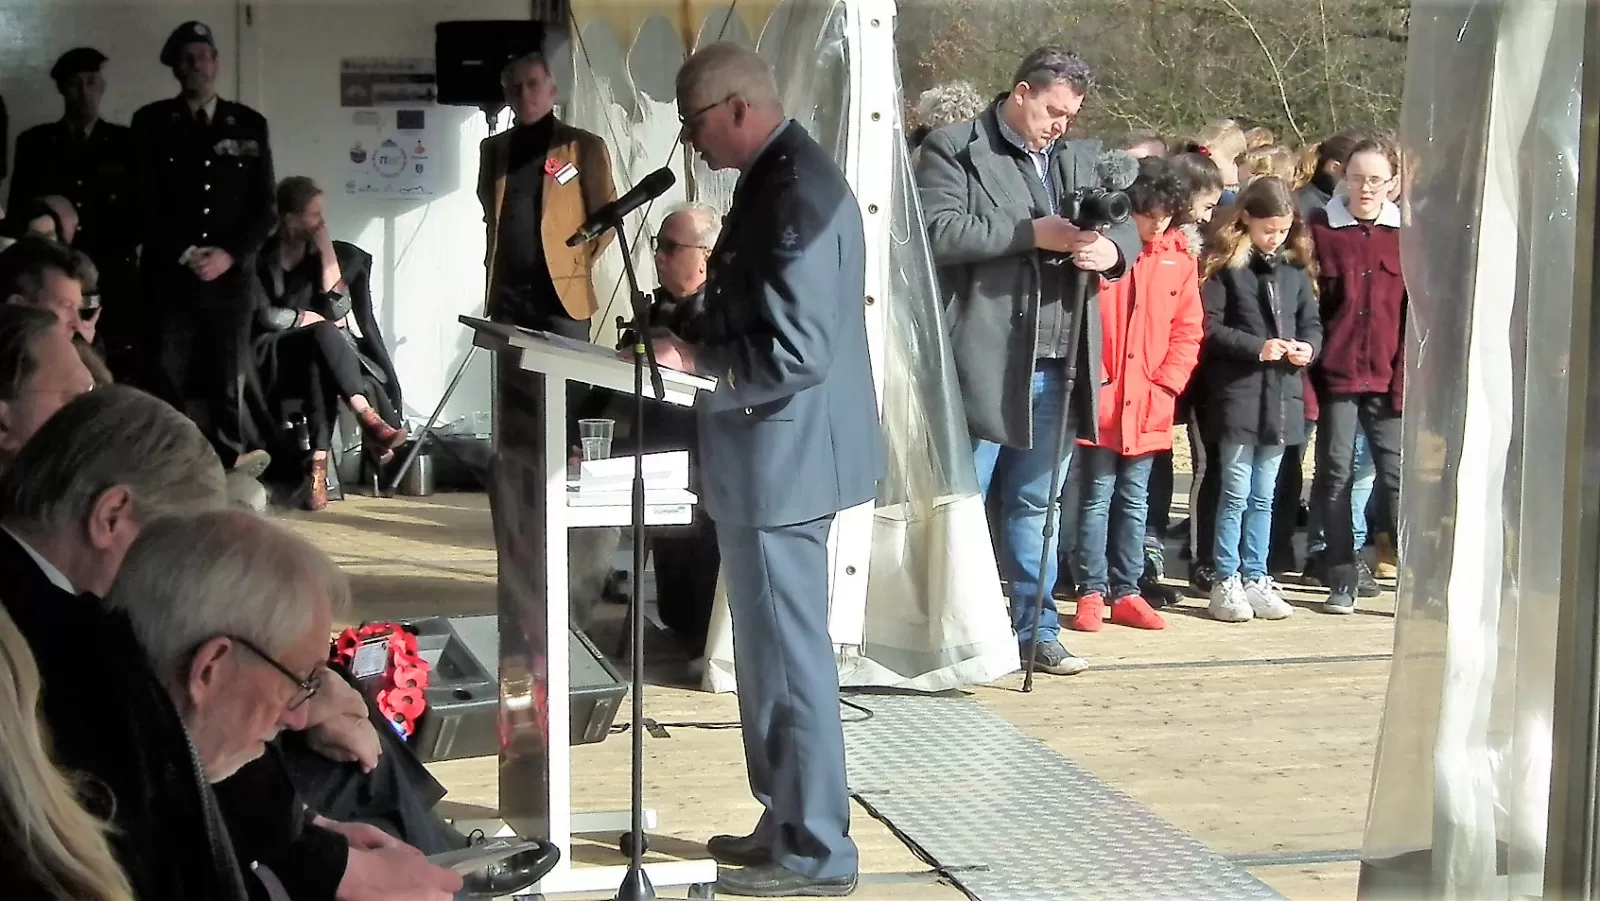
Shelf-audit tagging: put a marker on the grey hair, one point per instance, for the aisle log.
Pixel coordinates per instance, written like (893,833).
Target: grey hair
(707,217)
(727,69)
(1052,65)
(531,58)
(949,103)
(111,436)
(189,579)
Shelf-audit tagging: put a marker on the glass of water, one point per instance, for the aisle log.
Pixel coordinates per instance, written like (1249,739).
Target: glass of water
(596,437)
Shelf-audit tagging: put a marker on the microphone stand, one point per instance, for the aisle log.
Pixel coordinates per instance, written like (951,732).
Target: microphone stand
(636,884)
(1076,295)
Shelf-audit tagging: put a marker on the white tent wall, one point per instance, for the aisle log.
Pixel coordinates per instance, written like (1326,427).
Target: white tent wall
(1491,126)
(916,602)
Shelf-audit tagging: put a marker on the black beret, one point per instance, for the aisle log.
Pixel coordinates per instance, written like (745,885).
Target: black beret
(185,34)
(77,61)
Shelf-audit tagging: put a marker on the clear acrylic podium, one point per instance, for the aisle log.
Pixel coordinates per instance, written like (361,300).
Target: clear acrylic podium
(529,503)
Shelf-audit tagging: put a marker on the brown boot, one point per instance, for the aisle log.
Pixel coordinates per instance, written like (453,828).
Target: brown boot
(317,472)
(383,435)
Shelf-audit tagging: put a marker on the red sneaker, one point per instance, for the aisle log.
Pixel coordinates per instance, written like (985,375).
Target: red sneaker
(1135,613)
(1090,614)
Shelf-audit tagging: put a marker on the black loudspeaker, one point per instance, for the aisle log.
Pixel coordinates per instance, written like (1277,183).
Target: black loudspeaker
(462,719)
(470,54)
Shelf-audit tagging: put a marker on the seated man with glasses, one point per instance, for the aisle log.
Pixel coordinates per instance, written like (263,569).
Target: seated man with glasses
(686,558)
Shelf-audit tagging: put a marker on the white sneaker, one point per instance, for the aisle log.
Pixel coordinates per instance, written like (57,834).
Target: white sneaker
(1266,600)
(1229,603)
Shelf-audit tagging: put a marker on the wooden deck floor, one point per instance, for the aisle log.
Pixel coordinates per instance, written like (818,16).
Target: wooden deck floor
(1256,738)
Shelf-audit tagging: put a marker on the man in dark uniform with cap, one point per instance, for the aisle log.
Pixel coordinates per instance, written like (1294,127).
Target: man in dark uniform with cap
(206,194)
(90,162)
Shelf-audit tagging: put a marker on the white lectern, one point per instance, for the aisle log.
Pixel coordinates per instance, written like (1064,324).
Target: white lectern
(529,503)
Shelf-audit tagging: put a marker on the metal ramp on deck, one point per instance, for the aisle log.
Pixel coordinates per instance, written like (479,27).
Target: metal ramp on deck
(1005,818)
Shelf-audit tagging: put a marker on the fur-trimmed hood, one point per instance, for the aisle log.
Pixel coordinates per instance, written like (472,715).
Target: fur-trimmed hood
(1194,238)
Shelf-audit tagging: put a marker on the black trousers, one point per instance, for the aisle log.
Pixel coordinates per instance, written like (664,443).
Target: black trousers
(317,365)
(1281,555)
(686,565)
(1341,415)
(1159,518)
(201,336)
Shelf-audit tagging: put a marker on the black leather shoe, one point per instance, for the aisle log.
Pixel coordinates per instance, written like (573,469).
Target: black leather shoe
(774,881)
(513,874)
(738,851)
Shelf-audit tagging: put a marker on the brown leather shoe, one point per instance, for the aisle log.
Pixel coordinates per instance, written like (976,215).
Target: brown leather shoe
(384,435)
(317,472)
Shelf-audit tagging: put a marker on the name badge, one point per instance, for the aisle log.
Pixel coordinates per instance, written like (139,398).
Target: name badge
(566,174)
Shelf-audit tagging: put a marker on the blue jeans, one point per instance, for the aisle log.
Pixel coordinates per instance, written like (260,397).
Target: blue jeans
(1249,477)
(1364,477)
(1114,504)
(1023,479)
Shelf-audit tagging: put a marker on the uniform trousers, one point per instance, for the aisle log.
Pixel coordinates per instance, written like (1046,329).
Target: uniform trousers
(788,685)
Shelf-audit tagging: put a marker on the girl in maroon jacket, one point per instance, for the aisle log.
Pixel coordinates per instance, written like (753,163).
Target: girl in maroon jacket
(1360,373)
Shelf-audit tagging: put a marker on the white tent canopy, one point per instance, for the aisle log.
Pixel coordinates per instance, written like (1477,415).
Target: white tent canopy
(915,597)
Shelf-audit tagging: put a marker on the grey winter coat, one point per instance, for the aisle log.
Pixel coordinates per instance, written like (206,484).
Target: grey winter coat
(979,204)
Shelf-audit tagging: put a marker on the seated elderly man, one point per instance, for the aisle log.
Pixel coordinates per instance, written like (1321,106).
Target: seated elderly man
(234,614)
(686,559)
(71,503)
(40,371)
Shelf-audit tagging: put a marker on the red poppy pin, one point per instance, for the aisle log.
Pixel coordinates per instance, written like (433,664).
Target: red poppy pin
(552,166)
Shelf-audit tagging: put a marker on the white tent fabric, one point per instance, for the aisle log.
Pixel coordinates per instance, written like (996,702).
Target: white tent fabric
(915,597)
(1461,785)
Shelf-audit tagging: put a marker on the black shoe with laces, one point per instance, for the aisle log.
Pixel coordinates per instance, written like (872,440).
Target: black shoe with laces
(1366,582)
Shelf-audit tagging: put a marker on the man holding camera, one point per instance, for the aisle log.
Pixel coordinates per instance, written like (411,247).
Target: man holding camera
(994,191)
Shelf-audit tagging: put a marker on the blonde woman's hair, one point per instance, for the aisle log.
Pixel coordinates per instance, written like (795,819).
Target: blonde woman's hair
(1278,162)
(1260,136)
(1223,138)
(62,846)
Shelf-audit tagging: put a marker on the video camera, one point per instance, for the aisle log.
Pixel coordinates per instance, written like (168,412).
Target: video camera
(1096,209)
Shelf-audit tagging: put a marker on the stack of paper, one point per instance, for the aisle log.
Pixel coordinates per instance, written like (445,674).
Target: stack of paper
(611,481)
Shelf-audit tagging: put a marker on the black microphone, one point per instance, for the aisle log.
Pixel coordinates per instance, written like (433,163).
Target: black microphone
(649,188)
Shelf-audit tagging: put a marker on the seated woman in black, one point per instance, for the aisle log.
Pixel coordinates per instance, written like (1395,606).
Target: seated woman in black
(304,348)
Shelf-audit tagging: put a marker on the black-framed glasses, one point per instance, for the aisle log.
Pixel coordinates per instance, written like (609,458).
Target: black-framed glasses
(659,244)
(307,686)
(688,121)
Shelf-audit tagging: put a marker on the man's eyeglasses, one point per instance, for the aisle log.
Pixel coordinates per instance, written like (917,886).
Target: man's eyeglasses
(307,686)
(659,244)
(688,121)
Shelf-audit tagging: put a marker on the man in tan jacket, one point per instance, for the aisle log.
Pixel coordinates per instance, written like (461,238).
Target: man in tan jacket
(538,182)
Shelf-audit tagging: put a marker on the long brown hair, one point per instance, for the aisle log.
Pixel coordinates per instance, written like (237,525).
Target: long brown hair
(40,815)
(1265,198)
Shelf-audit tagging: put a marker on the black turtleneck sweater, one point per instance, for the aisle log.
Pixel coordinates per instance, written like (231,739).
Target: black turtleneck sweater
(522,265)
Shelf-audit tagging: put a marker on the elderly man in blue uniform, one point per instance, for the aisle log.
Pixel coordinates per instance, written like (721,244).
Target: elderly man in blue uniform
(90,162)
(206,197)
(788,439)
(992,192)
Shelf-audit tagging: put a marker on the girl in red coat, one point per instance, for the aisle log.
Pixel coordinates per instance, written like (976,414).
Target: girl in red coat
(1152,322)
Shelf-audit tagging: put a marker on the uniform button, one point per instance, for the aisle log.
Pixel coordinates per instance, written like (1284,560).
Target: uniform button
(748,411)
(208,162)
(206,211)
(1130,356)
(204,235)
(208,187)
(1127,403)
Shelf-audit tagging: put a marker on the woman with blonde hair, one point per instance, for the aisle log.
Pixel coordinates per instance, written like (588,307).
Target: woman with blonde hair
(1224,141)
(1278,162)
(51,849)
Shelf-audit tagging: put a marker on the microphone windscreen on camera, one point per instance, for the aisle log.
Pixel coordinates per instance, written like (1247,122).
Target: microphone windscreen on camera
(1116,169)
